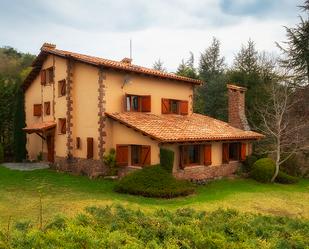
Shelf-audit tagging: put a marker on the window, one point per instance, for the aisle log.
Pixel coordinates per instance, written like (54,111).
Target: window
(62,126)
(136,154)
(47,76)
(89,147)
(78,143)
(37,110)
(234,151)
(61,88)
(140,155)
(47,108)
(190,155)
(174,106)
(137,103)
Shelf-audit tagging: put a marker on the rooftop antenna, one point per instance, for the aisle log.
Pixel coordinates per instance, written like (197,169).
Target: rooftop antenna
(131,49)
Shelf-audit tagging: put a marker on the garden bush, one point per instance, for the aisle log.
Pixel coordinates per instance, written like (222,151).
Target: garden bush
(263,170)
(109,161)
(291,166)
(154,181)
(285,178)
(248,163)
(1,153)
(122,227)
(167,159)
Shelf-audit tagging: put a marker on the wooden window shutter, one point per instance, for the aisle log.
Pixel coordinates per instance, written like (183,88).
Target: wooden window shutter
(62,125)
(62,87)
(243,151)
(43,77)
(37,110)
(122,155)
(225,153)
(47,108)
(89,147)
(165,106)
(50,75)
(184,107)
(146,155)
(146,103)
(207,154)
(77,142)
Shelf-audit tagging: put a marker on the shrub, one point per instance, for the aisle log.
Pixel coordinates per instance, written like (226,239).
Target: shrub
(285,178)
(248,163)
(1,153)
(167,159)
(263,170)
(154,181)
(291,166)
(110,161)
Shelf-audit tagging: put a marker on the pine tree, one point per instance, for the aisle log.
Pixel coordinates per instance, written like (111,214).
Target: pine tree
(296,48)
(187,69)
(159,65)
(210,98)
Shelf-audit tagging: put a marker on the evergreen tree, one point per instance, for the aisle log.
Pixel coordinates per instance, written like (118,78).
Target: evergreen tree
(187,69)
(296,49)
(211,98)
(159,65)
(19,123)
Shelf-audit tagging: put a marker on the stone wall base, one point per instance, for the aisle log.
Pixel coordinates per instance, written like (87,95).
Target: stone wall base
(207,172)
(123,171)
(80,166)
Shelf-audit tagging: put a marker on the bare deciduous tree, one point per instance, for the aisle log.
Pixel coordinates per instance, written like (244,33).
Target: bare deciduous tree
(282,129)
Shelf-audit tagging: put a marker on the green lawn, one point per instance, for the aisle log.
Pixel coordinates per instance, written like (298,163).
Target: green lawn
(63,193)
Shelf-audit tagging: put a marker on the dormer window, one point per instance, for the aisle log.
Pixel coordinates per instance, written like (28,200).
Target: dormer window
(137,103)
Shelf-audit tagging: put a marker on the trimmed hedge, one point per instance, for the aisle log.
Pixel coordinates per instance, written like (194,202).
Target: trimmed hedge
(167,159)
(285,178)
(263,170)
(154,181)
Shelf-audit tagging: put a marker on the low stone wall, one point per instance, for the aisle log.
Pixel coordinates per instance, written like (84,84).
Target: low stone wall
(80,166)
(207,172)
(123,171)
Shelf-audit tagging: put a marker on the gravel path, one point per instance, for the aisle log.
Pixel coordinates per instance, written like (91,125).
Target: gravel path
(26,166)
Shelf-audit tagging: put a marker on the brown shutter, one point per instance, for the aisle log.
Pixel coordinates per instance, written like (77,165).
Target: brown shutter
(77,142)
(47,108)
(37,110)
(63,88)
(146,103)
(146,155)
(89,147)
(43,77)
(165,106)
(122,155)
(243,151)
(184,107)
(62,123)
(207,154)
(225,153)
(51,75)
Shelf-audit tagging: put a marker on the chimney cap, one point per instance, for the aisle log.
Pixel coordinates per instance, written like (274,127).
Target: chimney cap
(237,88)
(126,60)
(48,45)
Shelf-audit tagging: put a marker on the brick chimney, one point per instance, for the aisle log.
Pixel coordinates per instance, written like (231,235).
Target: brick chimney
(236,105)
(126,60)
(48,46)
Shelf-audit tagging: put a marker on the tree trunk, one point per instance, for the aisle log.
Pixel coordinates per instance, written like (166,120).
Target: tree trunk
(277,162)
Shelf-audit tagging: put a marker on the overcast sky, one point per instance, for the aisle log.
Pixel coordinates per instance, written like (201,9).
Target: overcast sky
(165,29)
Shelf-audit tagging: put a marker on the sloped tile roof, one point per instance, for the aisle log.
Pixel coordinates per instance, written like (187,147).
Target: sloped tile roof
(40,127)
(177,128)
(123,65)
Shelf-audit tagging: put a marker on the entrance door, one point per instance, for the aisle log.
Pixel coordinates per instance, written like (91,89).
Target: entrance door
(50,148)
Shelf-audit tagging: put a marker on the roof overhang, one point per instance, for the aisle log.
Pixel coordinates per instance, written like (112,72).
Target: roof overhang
(40,127)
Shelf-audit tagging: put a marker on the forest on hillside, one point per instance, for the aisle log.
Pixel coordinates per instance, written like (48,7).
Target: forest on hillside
(276,99)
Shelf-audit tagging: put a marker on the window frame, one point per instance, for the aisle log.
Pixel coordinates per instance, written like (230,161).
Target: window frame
(62,121)
(35,106)
(185,156)
(47,106)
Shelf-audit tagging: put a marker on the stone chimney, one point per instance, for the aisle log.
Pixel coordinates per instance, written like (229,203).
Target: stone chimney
(236,105)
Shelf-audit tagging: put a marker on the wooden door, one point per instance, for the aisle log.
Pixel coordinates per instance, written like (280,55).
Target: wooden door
(50,148)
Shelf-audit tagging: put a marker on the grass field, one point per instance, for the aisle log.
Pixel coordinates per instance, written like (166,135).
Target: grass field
(63,193)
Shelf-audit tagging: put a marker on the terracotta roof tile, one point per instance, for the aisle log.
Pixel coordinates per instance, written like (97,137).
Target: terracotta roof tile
(177,128)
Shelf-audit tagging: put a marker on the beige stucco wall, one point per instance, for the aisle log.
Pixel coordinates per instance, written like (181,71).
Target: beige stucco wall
(121,134)
(143,85)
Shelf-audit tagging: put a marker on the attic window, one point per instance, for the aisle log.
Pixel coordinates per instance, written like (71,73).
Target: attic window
(137,103)
(47,76)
